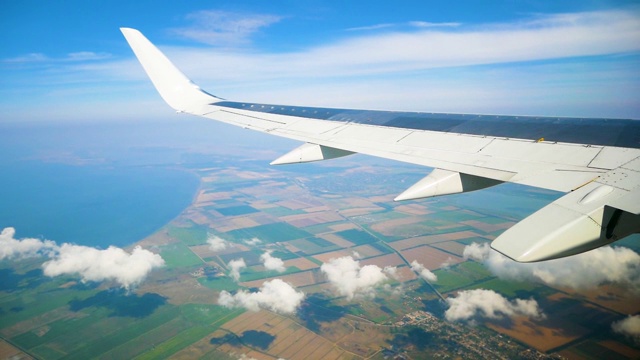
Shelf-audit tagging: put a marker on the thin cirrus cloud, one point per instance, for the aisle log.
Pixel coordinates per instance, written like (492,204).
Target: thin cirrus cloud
(412,24)
(90,264)
(544,37)
(425,67)
(80,56)
(215,27)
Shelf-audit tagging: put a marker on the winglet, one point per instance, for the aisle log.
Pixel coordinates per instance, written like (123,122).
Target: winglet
(174,87)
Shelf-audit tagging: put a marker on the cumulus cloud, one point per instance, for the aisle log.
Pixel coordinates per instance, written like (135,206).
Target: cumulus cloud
(587,270)
(350,279)
(470,304)
(11,248)
(272,263)
(423,271)
(216,243)
(392,271)
(216,27)
(275,295)
(236,265)
(91,264)
(127,269)
(447,263)
(630,326)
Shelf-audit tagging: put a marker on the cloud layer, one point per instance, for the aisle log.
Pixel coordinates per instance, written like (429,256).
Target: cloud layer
(350,279)
(275,295)
(90,264)
(470,304)
(596,267)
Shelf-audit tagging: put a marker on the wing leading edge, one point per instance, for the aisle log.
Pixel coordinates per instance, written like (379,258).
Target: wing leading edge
(597,161)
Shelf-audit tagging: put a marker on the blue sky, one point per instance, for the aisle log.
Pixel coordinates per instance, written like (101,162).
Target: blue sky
(67,61)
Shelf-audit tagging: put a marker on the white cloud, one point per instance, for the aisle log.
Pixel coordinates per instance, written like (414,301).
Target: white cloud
(587,270)
(392,271)
(272,263)
(224,28)
(275,295)
(253,242)
(86,56)
(552,37)
(427,24)
(115,264)
(447,263)
(28,58)
(351,280)
(91,264)
(79,56)
(469,304)
(629,326)
(247,357)
(423,271)
(216,243)
(236,265)
(11,248)
(371,27)
(341,73)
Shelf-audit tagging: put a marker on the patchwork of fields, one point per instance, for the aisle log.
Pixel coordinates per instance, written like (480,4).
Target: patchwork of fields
(305,220)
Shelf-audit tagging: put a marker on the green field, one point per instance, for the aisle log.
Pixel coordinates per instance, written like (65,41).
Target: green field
(460,276)
(279,211)
(269,233)
(236,210)
(357,237)
(219,284)
(512,289)
(249,275)
(179,255)
(194,235)
(311,248)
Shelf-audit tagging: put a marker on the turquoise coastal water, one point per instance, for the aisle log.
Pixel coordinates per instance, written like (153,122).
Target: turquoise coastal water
(110,182)
(92,205)
(95,184)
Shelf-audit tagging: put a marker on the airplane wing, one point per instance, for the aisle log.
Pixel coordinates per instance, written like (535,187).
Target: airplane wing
(596,161)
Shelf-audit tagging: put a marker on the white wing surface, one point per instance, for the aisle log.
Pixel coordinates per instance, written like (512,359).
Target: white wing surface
(596,161)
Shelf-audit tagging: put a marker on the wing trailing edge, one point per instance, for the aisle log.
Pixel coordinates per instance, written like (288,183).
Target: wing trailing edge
(602,179)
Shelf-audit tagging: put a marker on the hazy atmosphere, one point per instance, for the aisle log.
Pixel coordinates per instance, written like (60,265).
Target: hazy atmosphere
(130,231)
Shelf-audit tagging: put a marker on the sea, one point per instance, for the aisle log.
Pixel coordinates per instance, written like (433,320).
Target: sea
(102,183)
